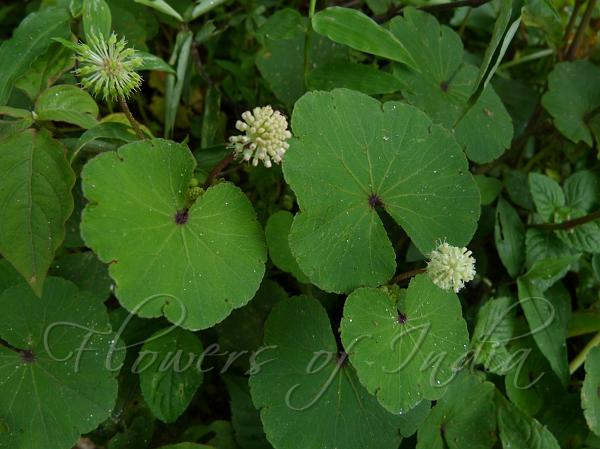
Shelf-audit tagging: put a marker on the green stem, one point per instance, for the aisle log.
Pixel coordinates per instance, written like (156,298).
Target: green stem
(580,358)
(569,223)
(308,39)
(585,21)
(131,118)
(527,58)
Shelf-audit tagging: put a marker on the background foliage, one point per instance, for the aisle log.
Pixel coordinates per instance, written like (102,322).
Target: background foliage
(287,307)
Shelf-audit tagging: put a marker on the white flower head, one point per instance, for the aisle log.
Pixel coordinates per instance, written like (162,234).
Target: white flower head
(450,267)
(265,136)
(107,67)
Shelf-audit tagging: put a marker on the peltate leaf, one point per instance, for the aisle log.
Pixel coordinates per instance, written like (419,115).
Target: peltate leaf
(352,155)
(35,194)
(57,368)
(165,258)
(572,94)
(442,85)
(300,384)
(404,352)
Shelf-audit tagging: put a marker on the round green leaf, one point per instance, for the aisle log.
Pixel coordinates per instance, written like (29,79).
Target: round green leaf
(307,396)
(351,155)
(183,271)
(442,86)
(590,393)
(170,371)
(57,373)
(404,349)
(572,94)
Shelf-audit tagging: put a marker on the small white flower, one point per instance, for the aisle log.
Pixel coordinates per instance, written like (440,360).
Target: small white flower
(265,136)
(450,267)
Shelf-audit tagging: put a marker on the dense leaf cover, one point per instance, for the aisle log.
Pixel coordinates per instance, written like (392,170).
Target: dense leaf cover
(371,224)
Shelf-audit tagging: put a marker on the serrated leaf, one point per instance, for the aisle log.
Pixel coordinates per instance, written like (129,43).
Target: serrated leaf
(547,195)
(509,234)
(582,190)
(30,40)
(590,393)
(35,191)
(493,331)
(519,431)
(441,85)
(66,103)
(170,371)
(160,267)
(356,30)
(451,425)
(58,374)
(302,389)
(542,245)
(571,96)
(367,79)
(96,19)
(530,382)
(547,323)
(277,231)
(584,237)
(393,346)
(350,154)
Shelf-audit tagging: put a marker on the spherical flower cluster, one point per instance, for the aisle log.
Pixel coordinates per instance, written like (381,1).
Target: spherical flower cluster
(265,136)
(107,67)
(450,267)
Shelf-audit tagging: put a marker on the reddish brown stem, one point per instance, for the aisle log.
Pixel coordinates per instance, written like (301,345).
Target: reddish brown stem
(407,275)
(218,169)
(567,224)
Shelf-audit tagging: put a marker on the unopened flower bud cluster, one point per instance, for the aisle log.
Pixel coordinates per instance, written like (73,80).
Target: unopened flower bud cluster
(107,67)
(265,136)
(450,267)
